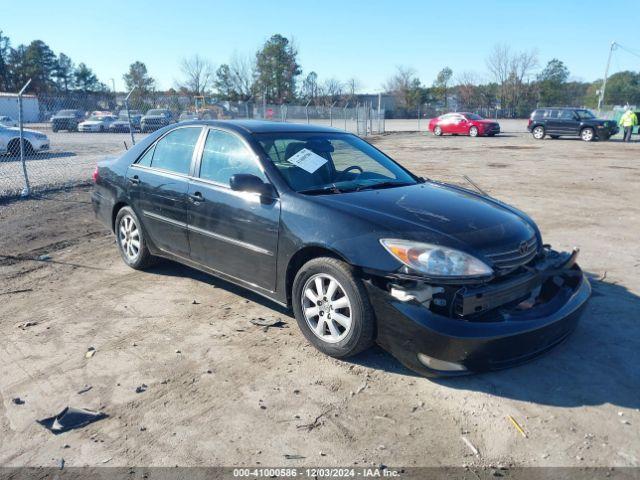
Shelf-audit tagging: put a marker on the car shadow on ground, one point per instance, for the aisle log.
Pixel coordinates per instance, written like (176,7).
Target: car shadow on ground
(173,269)
(597,364)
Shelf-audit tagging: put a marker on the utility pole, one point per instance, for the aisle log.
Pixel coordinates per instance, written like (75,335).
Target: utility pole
(606,73)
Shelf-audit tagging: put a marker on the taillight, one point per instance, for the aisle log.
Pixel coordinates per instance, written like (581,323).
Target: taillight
(95,175)
(529,123)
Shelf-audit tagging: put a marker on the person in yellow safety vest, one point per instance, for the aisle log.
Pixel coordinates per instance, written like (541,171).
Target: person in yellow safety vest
(628,120)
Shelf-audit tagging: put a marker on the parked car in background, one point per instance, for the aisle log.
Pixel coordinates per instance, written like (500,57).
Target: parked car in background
(34,141)
(97,123)
(122,123)
(66,120)
(446,279)
(186,116)
(570,122)
(156,118)
(463,123)
(100,113)
(8,121)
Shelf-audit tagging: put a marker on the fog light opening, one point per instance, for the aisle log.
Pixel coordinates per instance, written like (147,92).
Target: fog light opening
(440,365)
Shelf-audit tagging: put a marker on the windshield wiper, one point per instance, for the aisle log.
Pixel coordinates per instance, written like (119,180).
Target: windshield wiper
(326,189)
(388,184)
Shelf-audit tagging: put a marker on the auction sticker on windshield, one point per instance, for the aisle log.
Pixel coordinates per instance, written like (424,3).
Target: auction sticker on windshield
(307,160)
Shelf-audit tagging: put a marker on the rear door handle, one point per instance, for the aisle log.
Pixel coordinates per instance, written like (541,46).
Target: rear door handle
(135,180)
(196,197)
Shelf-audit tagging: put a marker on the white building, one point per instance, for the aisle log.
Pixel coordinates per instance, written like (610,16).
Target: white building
(30,107)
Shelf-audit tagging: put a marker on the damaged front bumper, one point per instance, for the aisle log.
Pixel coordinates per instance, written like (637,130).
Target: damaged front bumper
(445,330)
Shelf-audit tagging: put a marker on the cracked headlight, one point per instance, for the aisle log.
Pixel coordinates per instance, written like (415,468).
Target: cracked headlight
(435,260)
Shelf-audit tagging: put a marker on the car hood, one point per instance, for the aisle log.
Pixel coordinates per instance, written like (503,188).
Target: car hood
(437,213)
(92,122)
(25,130)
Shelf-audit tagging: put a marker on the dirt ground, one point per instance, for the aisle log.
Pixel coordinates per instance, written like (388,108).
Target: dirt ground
(222,391)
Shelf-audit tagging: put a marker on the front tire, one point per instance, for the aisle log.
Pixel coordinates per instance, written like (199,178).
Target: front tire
(437,131)
(538,132)
(473,132)
(587,134)
(131,241)
(332,307)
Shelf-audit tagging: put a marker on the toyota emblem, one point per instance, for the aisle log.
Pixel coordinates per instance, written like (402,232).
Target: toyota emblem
(523,247)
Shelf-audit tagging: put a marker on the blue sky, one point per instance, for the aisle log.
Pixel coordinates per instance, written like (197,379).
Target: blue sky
(342,39)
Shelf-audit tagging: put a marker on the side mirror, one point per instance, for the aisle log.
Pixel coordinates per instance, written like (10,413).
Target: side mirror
(246,182)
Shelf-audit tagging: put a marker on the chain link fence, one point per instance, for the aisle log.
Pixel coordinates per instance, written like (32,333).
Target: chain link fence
(65,135)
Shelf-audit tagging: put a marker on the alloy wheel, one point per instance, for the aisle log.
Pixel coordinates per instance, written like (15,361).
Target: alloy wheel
(538,133)
(473,132)
(437,131)
(587,134)
(129,237)
(326,308)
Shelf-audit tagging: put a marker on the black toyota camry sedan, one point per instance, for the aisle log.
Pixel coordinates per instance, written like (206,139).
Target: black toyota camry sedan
(446,279)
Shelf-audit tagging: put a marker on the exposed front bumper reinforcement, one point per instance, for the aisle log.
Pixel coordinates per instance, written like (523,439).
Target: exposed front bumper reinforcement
(489,327)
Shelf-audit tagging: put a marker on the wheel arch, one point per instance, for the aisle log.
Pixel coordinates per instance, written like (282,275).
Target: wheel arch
(302,256)
(114,213)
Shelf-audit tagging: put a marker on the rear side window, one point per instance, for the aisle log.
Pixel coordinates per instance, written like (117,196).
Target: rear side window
(225,155)
(174,151)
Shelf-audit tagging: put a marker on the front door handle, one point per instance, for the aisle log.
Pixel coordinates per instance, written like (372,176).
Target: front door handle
(135,180)
(196,197)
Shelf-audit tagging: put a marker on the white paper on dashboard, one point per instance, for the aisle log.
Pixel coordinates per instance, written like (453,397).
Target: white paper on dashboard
(307,160)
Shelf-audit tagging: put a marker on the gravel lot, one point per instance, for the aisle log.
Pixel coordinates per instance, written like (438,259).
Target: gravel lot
(222,391)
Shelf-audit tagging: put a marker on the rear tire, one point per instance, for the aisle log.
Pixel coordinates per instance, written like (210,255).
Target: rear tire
(327,286)
(131,242)
(437,131)
(538,132)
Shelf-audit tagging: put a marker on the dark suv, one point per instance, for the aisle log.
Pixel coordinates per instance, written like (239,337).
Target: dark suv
(67,120)
(570,122)
(156,118)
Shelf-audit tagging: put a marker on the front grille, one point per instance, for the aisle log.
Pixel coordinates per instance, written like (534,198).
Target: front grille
(515,256)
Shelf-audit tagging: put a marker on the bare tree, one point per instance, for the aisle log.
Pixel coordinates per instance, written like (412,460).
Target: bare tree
(234,81)
(400,84)
(198,74)
(467,89)
(351,87)
(509,70)
(330,90)
(499,65)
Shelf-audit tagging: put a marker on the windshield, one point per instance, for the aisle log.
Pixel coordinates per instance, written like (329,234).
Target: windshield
(584,114)
(331,162)
(472,116)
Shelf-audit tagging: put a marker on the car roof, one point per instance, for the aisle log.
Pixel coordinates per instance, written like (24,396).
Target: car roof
(264,126)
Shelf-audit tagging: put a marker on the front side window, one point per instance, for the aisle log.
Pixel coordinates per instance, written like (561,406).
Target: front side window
(224,155)
(585,114)
(331,162)
(174,151)
(567,115)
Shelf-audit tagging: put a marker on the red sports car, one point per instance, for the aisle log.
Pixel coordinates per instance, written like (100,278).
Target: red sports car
(463,123)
